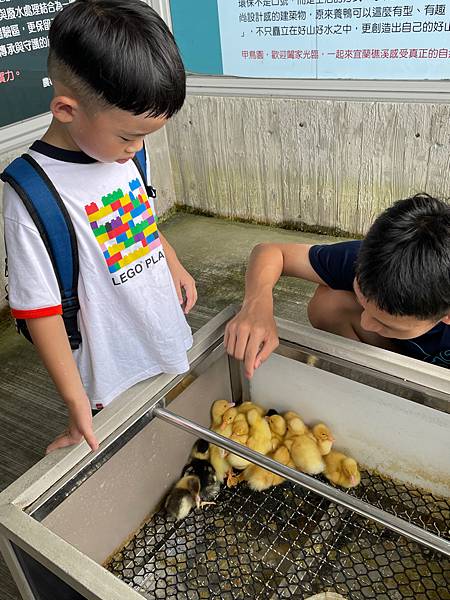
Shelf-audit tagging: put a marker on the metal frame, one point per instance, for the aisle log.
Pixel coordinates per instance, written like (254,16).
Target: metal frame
(63,560)
(15,567)
(402,368)
(143,402)
(54,553)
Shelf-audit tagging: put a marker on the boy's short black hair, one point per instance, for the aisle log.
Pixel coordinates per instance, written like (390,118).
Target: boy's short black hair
(121,53)
(404,262)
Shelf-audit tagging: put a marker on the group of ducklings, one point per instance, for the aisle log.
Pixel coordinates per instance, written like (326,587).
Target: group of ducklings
(284,438)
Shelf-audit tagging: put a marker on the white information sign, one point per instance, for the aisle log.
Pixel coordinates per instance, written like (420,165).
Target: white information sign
(336,39)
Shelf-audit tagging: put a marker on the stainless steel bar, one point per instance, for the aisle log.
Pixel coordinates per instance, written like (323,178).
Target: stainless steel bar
(359,506)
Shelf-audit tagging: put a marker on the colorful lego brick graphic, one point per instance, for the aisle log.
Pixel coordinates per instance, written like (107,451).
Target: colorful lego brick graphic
(124,226)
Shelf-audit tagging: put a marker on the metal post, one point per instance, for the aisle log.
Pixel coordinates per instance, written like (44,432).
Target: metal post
(355,504)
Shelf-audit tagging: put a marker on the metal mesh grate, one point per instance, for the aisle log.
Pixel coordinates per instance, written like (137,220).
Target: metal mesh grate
(289,543)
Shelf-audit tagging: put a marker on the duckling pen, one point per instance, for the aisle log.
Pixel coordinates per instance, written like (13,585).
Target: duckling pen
(90,525)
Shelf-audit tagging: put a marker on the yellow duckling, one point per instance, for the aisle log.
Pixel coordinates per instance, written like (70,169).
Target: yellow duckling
(305,454)
(341,469)
(240,434)
(217,456)
(218,409)
(295,425)
(259,479)
(240,429)
(278,428)
(246,406)
(226,425)
(260,436)
(324,438)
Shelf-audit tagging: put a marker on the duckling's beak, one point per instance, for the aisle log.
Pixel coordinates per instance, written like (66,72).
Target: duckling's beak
(352,479)
(231,404)
(198,501)
(331,438)
(223,425)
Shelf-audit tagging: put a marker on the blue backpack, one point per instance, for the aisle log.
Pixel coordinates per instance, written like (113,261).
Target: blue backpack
(53,222)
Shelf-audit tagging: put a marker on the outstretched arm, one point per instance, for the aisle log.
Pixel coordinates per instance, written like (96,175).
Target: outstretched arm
(252,335)
(50,338)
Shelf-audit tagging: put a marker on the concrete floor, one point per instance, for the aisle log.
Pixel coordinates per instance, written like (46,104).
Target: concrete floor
(215,252)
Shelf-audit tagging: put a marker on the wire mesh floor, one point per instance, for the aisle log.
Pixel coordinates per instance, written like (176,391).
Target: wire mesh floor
(289,543)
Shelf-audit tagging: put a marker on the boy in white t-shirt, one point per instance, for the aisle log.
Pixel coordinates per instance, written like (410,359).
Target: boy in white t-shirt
(117,77)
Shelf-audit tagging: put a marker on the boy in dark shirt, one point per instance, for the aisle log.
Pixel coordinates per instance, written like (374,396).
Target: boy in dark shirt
(391,289)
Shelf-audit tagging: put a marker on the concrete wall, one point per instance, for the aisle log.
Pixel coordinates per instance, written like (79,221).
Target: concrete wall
(323,163)
(161,178)
(329,165)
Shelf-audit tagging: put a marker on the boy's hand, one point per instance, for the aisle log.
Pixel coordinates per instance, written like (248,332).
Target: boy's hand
(252,335)
(80,426)
(181,278)
(50,338)
(183,281)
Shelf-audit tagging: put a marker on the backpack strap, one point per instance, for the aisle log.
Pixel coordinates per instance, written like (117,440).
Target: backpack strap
(140,160)
(53,222)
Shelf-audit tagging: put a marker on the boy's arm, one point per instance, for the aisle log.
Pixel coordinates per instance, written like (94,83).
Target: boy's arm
(181,278)
(50,338)
(252,335)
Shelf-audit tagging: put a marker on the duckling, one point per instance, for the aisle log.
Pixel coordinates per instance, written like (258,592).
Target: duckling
(246,406)
(240,429)
(183,497)
(305,454)
(239,435)
(217,457)
(200,450)
(290,414)
(259,479)
(218,409)
(341,469)
(324,438)
(295,425)
(260,437)
(236,462)
(278,429)
(209,484)
(226,425)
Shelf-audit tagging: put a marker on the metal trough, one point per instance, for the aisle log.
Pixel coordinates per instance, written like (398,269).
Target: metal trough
(90,525)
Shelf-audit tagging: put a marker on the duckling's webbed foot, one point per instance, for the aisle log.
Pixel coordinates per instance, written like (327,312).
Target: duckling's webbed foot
(205,503)
(233,479)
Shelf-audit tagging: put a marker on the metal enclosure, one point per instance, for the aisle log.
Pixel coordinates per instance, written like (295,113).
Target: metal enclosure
(73,511)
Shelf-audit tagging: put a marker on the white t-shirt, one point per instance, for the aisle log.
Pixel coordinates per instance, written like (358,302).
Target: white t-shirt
(131,322)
